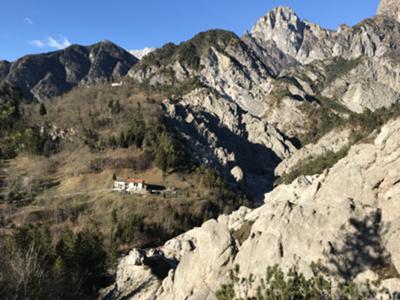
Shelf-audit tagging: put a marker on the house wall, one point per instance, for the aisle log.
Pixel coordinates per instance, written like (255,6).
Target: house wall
(133,186)
(119,186)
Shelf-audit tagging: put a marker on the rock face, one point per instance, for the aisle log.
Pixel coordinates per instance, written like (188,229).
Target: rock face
(221,85)
(48,75)
(390,8)
(237,173)
(371,84)
(296,38)
(334,141)
(219,133)
(217,59)
(237,103)
(281,30)
(215,248)
(349,231)
(240,102)
(134,278)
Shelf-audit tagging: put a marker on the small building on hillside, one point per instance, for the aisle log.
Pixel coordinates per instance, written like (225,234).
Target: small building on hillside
(117,84)
(131,185)
(136,185)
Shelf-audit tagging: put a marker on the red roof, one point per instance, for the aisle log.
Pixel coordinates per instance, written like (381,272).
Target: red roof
(135,180)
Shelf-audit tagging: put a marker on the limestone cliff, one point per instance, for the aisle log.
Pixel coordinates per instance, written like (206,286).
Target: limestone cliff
(390,8)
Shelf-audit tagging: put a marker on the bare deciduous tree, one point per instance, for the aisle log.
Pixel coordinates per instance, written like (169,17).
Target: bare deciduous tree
(23,273)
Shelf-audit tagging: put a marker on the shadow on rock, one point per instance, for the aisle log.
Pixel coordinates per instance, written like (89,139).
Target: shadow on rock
(362,248)
(257,161)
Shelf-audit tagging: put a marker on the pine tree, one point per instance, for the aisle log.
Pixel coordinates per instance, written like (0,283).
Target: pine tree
(42,109)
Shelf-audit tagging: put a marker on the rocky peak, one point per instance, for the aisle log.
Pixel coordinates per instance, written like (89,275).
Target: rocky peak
(283,27)
(51,74)
(390,8)
(218,59)
(295,38)
(277,16)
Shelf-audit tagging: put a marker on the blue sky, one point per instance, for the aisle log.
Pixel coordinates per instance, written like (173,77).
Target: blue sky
(34,26)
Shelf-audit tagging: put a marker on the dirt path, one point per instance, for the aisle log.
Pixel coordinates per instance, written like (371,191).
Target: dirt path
(58,196)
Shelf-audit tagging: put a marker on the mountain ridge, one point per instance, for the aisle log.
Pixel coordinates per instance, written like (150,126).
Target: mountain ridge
(300,121)
(341,82)
(51,74)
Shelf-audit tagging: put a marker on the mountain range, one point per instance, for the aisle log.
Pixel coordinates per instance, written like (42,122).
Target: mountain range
(303,119)
(305,95)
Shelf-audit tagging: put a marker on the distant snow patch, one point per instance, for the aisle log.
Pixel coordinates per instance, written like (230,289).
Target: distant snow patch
(141,53)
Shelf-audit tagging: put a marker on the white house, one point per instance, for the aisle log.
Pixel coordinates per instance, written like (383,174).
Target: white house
(117,84)
(131,185)
(136,185)
(119,185)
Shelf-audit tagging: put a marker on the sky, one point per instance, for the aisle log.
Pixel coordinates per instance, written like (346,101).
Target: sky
(35,26)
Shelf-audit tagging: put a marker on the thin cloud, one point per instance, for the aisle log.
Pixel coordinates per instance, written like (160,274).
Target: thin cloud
(51,42)
(38,44)
(28,21)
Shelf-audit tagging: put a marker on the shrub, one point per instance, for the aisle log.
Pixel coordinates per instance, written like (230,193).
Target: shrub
(42,109)
(340,67)
(293,285)
(33,268)
(10,99)
(160,143)
(313,166)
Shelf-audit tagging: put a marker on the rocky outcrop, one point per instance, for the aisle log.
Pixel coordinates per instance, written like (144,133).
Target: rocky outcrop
(270,55)
(236,102)
(221,134)
(296,38)
(133,279)
(306,42)
(248,97)
(52,74)
(334,141)
(390,8)
(216,59)
(349,230)
(346,220)
(372,84)
(216,249)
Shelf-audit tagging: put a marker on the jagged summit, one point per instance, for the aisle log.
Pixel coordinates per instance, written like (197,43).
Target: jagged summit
(284,33)
(390,8)
(282,26)
(285,13)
